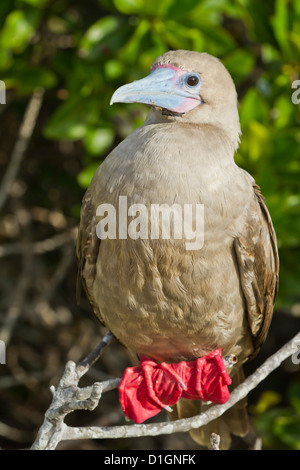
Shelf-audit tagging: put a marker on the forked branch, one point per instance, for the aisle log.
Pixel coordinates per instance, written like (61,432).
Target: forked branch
(68,397)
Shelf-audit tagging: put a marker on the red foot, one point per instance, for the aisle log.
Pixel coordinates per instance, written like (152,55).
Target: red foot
(148,388)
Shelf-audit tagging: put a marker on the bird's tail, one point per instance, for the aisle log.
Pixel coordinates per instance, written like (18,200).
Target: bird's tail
(233,421)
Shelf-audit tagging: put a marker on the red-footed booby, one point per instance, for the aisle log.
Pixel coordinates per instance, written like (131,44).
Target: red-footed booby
(162,299)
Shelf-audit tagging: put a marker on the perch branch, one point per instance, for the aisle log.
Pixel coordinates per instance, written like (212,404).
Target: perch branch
(64,432)
(68,397)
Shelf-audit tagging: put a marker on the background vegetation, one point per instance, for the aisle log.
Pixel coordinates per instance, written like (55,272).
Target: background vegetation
(79,53)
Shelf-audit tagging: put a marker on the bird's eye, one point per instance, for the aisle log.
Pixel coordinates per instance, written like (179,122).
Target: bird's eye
(192,80)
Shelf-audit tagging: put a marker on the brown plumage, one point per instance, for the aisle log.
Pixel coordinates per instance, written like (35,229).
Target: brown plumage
(159,299)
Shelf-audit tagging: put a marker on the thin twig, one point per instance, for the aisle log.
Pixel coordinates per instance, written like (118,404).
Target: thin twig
(15,308)
(84,365)
(215,441)
(40,247)
(21,145)
(18,299)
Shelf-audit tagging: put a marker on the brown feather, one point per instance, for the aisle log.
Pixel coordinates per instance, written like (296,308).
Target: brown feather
(258,263)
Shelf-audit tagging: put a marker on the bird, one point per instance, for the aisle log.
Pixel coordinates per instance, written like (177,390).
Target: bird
(159,299)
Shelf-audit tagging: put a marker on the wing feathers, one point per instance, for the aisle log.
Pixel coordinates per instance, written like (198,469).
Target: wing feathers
(258,263)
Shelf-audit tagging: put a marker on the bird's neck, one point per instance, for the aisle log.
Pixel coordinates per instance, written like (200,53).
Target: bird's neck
(198,120)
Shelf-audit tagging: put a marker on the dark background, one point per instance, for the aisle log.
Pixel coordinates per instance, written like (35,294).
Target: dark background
(75,54)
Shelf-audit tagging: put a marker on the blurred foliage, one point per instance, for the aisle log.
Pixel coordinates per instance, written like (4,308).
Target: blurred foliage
(80,52)
(85,53)
(279,427)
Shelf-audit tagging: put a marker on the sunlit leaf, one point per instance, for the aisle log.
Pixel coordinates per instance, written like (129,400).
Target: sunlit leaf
(253,107)
(98,140)
(157,7)
(267,399)
(258,141)
(113,69)
(98,31)
(284,111)
(17,31)
(129,7)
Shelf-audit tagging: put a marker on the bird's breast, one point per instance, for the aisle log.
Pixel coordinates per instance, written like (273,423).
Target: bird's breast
(162,296)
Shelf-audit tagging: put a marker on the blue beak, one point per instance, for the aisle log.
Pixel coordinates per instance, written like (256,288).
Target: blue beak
(165,87)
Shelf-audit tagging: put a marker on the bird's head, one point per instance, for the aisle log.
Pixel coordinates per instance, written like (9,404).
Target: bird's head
(193,86)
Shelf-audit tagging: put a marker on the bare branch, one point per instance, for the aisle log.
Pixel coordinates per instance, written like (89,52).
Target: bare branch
(40,247)
(84,365)
(49,437)
(19,294)
(21,144)
(68,397)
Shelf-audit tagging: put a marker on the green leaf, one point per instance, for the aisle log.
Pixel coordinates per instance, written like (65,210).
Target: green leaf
(129,7)
(294,389)
(259,17)
(284,111)
(287,428)
(25,79)
(99,31)
(267,399)
(253,107)
(285,150)
(6,59)
(257,142)
(281,26)
(105,33)
(85,176)
(239,64)
(264,425)
(97,141)
(113,69)
(36,3)
(17,31)
(157,8)
(218,41)
(130,51)
(72,119)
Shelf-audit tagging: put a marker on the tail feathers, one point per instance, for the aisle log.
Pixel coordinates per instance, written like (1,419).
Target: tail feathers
(233,421)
